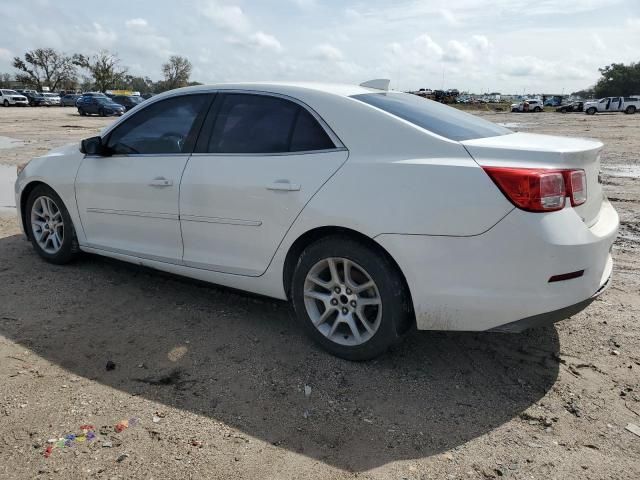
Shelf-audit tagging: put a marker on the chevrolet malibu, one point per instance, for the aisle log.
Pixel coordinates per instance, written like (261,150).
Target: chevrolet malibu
(374,212)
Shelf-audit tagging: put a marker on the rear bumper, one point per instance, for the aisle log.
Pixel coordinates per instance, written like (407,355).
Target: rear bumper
(549,318)
(501,278)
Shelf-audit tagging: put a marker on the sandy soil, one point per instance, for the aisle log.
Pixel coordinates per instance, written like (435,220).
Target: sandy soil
(216,379)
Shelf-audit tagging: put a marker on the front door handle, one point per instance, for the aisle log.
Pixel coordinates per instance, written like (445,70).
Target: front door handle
(284,185)
(161,182)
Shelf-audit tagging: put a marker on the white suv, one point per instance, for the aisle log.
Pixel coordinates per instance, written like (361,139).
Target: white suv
(11,97)
(530,105)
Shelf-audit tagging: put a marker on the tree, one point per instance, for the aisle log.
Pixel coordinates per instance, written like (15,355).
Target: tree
(104,68)
(176,72)
(44,67)
(618,80)
(138,84)
(5,80)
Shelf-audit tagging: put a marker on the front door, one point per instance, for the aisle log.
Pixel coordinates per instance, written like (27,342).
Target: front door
(128,201)
(258,162)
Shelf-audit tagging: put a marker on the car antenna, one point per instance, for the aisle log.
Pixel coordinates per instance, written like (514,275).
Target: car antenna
(378,84)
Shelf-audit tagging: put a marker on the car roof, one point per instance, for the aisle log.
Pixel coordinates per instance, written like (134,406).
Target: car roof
(282,88)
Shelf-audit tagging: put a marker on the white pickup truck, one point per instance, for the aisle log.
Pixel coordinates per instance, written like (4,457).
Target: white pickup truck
(628,105)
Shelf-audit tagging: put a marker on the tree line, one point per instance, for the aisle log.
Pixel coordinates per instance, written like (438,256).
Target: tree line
(46,67)
(615,80)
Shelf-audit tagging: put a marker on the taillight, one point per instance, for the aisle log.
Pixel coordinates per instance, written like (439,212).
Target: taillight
(577,186)
(534,190)
(540,190)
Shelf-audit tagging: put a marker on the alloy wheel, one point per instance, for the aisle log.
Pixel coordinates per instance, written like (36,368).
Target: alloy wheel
(342,301)
(47,225)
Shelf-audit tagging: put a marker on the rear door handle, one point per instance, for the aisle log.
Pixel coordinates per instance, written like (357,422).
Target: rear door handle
(284,185)
(161,182)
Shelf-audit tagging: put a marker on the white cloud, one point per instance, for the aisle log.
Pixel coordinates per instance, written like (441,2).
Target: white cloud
(327,53)
(226,16)
(305,4)
(426,45)
(457,52)
(480,42)
(264,41)
(598,42)
(136,23)
(449,17)
(633,22)
(5,54)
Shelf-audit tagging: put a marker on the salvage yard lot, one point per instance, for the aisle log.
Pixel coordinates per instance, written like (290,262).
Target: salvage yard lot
(216,379)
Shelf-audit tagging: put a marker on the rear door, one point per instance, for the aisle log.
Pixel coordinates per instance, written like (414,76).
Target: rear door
(128,202)
(259,160)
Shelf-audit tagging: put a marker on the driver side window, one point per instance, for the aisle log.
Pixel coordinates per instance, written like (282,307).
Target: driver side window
(166,127)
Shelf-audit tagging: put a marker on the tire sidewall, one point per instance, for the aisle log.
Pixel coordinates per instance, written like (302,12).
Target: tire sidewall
(69,244)
(395,307)
(591,111)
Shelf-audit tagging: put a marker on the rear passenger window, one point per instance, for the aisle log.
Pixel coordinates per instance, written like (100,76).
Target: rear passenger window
(308,135)
(248,123)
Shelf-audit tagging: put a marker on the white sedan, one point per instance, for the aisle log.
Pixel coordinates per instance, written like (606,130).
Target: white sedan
(373,211)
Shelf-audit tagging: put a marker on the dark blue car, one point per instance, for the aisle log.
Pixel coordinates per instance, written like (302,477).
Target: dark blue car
(102,106)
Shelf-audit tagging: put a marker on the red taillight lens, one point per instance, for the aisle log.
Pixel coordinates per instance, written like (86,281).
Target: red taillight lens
(534,190)
(577,185)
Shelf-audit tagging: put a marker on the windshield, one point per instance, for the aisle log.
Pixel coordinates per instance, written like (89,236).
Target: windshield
(440,119)
(9,92)
(103,100)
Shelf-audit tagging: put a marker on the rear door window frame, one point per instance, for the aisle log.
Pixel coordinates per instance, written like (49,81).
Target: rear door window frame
(201,147)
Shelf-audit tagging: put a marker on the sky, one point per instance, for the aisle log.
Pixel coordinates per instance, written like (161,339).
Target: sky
(508,46)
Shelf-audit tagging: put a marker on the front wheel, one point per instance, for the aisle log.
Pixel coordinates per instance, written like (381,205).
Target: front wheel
(537,109)
(49,226)
(101,113)
(591,111)
(350,298)
(630,110)
(6,103)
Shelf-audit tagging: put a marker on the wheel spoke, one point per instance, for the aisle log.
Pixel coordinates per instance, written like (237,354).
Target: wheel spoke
(334,327)
(319,282)
(363,286)
(354,328)
(346,265)
(325,315)
(323,297)
(45,207)
(55,240)
(333,269)
(363,302)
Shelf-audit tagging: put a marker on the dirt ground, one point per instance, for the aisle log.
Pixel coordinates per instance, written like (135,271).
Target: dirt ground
(213,381)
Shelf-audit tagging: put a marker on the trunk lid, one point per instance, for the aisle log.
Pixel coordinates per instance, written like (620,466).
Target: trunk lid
(530,150)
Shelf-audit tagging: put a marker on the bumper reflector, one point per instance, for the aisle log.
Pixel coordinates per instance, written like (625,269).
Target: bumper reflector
(566,276)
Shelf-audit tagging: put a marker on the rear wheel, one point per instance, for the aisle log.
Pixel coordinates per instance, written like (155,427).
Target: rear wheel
(591,111)
(630,110)
(350,298)
(537,109)
(49,226)
(82,112)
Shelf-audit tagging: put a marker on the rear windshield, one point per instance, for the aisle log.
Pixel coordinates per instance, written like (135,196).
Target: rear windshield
(440,119)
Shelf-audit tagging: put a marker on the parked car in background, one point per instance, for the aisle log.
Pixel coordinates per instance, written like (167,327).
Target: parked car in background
(531,105)
(11,97)
(629,105)
(102,106)
(40,100)
(93,94)
(128,101)
(53,97)
(69,100)
(571,107)
(331,196)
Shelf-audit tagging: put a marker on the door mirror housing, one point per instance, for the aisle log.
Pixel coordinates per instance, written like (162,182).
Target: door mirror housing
(94,146)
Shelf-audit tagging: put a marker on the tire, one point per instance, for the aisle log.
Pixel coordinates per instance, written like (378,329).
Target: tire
(563,110)
(537,109)
(591,111)
(101,113)
(6,103)
(630,110)
(55,250)
(388,309)
(82,112)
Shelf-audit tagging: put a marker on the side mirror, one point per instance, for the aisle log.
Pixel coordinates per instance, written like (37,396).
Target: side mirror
(94,146)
